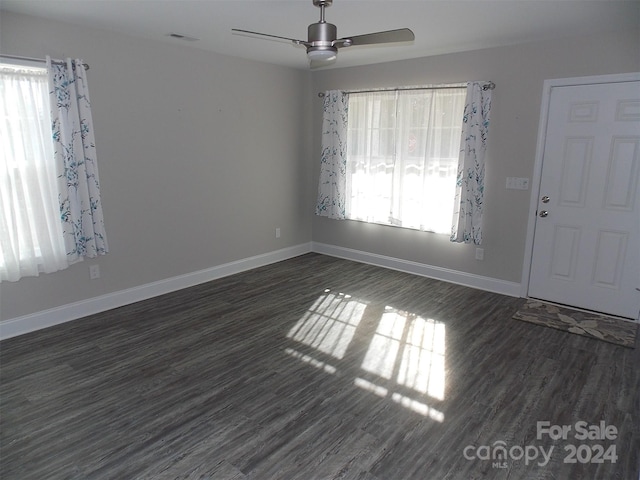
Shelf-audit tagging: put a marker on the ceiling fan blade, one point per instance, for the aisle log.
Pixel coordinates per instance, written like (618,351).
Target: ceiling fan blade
(389,36)
(294,40)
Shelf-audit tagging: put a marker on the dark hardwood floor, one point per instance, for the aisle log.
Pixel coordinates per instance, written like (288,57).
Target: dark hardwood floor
(317,368)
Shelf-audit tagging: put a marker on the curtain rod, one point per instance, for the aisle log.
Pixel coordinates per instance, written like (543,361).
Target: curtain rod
(39,60)
(487,86)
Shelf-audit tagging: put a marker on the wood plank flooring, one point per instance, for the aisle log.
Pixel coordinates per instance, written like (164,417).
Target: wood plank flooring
(314,368)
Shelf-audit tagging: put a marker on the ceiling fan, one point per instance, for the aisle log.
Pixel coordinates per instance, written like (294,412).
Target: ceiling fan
(322,43)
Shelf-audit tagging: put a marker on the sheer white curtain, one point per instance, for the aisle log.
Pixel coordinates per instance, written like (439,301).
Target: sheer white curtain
(31,238)
(371,155)
(403,151)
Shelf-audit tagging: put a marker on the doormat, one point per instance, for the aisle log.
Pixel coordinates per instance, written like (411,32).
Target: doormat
(612,330)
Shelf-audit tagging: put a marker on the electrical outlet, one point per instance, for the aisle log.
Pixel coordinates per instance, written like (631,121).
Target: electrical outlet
(94,271)
(278,232)
(479,253)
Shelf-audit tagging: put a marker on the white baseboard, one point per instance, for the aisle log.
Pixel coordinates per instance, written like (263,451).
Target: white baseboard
(73,311)
(489,284)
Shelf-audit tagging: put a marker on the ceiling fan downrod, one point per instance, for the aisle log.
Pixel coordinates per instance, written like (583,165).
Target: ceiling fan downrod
(322,4)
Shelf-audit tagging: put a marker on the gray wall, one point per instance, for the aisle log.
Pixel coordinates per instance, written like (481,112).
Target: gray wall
(519,72)
(201,157)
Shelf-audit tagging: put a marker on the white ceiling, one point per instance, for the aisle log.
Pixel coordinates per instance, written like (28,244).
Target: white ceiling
(440,26)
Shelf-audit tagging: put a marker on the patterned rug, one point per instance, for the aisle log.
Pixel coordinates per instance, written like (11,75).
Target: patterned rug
(609,329)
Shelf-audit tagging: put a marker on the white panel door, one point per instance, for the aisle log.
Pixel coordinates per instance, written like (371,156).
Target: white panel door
(586,248)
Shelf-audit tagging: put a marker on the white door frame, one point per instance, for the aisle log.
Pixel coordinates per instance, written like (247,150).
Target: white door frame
(537,168)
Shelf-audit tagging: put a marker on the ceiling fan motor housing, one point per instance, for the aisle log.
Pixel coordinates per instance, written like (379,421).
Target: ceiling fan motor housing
(322,36)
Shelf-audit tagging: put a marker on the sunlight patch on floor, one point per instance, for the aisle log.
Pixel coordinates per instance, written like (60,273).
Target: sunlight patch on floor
(370,386)
(404,349)
(330,323)
(418,407)
(411,349)
(384,347)
(403,400)
(422,365)
(310,360)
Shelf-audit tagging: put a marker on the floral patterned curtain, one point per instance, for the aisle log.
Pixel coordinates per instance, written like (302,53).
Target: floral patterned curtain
(469,201)
(332,184)
(75,158)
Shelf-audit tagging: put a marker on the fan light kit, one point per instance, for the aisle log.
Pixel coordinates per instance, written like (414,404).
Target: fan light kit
(323,43)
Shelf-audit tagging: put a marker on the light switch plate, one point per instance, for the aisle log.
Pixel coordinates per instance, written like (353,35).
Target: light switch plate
(517,183)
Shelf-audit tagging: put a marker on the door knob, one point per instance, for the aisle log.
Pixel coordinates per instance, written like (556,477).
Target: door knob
(544,213)
(545,199)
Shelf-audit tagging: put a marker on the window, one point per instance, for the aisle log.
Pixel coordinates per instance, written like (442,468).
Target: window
(402,157)
(31,238)
(50,207)
(390,158)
